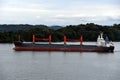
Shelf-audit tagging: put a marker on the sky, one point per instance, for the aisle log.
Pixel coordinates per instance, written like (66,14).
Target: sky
(60,12)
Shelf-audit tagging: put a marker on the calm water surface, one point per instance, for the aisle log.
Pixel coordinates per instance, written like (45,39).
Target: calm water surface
(29,65)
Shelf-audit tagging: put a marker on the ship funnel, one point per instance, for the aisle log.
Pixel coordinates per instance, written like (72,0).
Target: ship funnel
(101,35)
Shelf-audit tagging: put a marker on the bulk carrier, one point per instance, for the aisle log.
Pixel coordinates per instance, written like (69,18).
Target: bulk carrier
(103,45)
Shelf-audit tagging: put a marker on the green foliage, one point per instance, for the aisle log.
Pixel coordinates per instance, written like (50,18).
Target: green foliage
(89,31)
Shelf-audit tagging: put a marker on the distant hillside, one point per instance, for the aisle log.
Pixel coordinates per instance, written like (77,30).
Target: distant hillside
(55,27)
(15,27)
(90,32)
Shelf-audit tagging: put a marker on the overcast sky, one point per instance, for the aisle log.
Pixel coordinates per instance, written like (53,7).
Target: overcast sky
(59,12)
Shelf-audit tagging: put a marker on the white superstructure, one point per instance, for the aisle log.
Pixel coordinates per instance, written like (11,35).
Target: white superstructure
(102,42)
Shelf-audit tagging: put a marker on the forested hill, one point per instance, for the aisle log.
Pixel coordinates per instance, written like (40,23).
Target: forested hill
(89,32)
(16,27)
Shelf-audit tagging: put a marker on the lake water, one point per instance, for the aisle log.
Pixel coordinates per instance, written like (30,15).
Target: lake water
(30,65)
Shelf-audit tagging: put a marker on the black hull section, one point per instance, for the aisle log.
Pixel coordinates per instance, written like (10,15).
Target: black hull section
(19,46)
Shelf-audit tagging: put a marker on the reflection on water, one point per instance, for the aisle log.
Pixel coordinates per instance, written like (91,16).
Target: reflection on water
(35,65)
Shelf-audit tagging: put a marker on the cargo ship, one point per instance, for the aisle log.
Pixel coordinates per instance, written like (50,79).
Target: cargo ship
(103,45)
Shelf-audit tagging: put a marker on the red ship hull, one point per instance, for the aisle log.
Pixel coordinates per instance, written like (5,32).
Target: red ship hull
(19,46)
